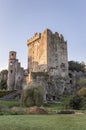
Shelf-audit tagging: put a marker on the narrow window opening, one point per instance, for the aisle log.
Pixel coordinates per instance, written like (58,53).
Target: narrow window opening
(54,98)
(71,82)
(11,71)
(70,75)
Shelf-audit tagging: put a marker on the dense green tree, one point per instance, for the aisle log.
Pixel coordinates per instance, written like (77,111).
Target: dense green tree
(4,71)
(76,66)
(3,84)
(3,79)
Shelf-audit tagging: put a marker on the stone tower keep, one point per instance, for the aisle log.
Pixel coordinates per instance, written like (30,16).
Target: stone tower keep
(15,72)
(47,52)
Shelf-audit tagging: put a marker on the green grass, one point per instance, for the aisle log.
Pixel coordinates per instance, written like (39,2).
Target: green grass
(53,108)
(43,122)
(10,103)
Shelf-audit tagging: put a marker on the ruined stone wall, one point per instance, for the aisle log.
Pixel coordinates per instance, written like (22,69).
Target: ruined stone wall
(15,72)
(11,70)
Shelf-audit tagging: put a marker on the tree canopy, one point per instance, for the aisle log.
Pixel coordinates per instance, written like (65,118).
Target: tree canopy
(76,66)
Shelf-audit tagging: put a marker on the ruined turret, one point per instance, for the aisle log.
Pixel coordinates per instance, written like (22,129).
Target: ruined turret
(15,72)
(11,70)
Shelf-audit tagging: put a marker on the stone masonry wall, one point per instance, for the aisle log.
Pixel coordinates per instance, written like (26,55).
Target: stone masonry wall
(57,54)
(37,53)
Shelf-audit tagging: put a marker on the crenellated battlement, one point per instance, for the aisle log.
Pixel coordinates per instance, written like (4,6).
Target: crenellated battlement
(38,36)
(34,38)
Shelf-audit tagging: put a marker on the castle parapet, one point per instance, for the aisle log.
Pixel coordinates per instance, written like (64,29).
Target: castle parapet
(34,38)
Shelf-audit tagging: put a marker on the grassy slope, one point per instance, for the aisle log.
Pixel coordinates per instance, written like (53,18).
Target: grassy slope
(43,122)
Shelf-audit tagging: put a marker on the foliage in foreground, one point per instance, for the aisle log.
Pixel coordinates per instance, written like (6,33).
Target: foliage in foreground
(32,96)
(82,92)
(3,84)
(76,102)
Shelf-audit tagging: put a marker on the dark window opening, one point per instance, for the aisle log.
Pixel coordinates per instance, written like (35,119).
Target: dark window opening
(47,97)
(71,82)
(70,75)
(11,71)
(54,98)
(12,55)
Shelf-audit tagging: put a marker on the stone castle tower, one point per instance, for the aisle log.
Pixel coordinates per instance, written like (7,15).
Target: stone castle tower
(15,72)
(47,52)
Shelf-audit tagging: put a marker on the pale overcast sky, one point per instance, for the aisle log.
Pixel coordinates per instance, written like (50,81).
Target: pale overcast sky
(20,19)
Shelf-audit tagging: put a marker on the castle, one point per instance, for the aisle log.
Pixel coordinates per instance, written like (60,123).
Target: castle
(47,53)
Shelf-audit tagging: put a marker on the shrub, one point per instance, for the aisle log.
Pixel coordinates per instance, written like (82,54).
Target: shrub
(76,102)
(82,92)
(32,96)
(3,84)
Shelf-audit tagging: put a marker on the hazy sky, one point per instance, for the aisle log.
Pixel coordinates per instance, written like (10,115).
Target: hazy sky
(20,19)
